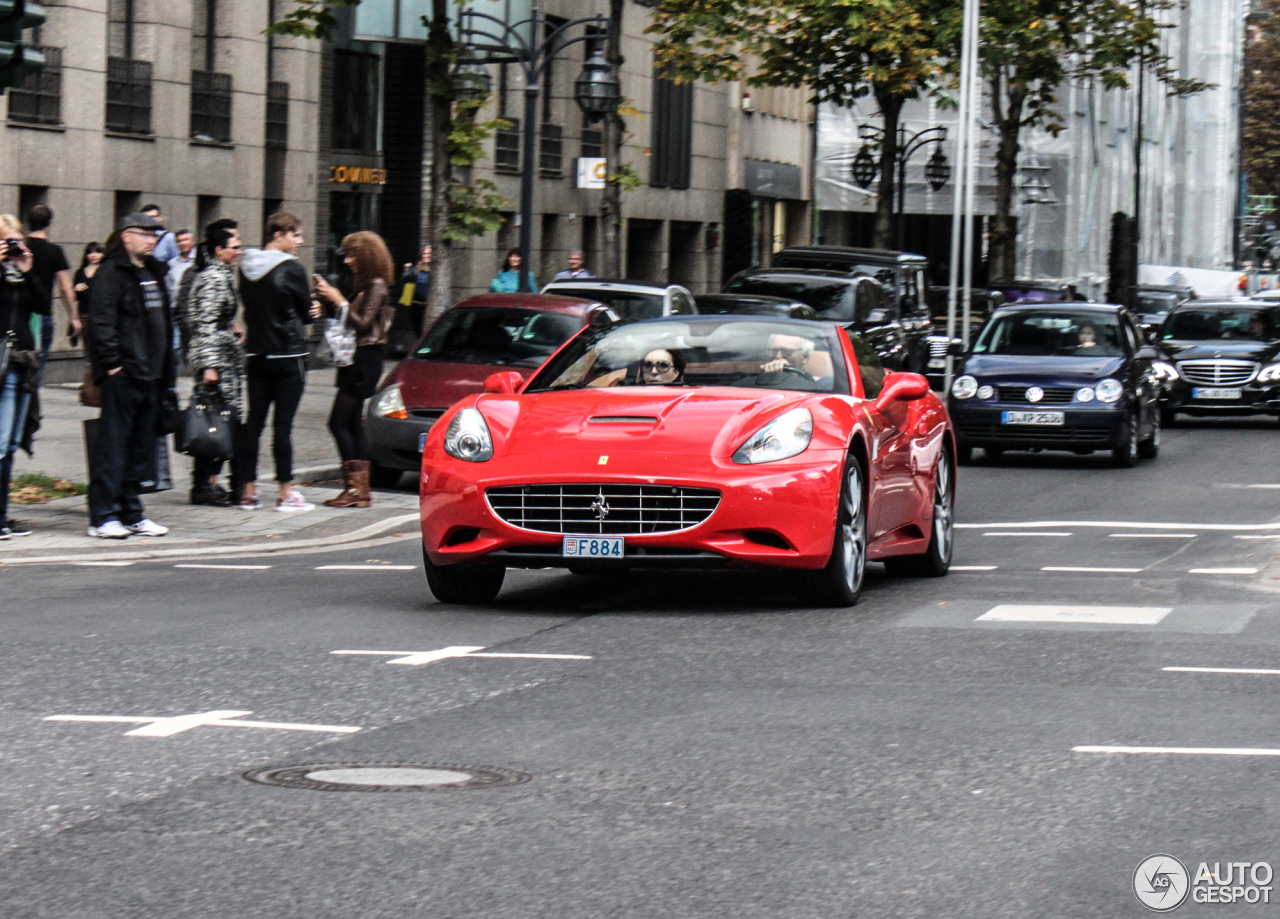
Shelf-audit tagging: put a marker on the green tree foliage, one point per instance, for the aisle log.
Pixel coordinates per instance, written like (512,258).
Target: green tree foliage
(1029,48)
(841,49)
(1262,103)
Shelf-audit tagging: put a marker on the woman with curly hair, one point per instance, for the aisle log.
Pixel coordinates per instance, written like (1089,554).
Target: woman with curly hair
(369,315)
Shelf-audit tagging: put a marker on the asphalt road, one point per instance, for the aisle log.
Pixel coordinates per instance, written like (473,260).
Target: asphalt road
(721,752)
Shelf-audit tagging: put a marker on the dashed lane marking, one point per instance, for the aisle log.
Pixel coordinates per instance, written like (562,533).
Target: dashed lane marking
(1114,615)
(1203,751)
(1232,485)
(1027,533)
(103,564)
(366,567)
(1222,571)
(418,658)
(974,567)
(1255,537)
(1155,535)
(1092,570)
(1119,525)
(1221,670)
(167,727)
(229,567)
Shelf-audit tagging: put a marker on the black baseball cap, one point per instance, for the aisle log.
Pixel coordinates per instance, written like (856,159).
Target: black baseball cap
(139,221)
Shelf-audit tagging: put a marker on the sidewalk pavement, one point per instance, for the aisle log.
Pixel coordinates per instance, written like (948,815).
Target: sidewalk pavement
(59,527)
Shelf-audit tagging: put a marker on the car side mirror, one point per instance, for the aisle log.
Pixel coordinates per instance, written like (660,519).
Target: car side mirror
(600,318)
(1146,353)
(901,387)
(955,348)
(506,382)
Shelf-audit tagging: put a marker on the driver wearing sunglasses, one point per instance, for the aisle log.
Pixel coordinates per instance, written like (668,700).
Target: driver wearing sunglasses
(661,367)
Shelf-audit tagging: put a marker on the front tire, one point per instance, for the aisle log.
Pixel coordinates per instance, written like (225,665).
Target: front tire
(1150,448)
(1125,456)
(936,560)
(840,583)
(463,583)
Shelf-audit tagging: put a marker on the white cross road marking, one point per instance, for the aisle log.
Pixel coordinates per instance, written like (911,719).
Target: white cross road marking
(167,727)
(1207,751)
(418,658)
(1222,571)
(1114,615)
(1220,670)
(367,568)
(228,567)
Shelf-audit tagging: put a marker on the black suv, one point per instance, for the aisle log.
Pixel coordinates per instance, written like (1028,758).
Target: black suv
(861,304)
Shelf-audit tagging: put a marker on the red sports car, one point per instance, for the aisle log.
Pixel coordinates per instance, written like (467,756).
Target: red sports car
(473,339)
(692,441)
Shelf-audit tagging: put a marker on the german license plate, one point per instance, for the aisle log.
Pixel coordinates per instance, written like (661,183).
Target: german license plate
(1201,393)
(422,441)
(594,547)
(1034,417)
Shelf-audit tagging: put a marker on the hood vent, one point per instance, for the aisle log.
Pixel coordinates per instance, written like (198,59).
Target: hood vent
(624,419)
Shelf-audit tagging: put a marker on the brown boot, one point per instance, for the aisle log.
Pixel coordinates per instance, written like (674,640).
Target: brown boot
(355,474)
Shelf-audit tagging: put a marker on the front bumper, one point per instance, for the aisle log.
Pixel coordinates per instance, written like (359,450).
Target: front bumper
(1255,398)
(777,515)
(393,442)
(982,425)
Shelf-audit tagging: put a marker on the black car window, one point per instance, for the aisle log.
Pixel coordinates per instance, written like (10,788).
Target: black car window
(1061,333)
(872,297)
(630,306)
(1250,323)
(870,369)
(497,335)
(681,304)
(885,274)
(831,298)
(1030,295)
(1156,302)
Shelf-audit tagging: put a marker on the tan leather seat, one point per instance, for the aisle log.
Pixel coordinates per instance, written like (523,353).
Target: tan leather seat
(819,365)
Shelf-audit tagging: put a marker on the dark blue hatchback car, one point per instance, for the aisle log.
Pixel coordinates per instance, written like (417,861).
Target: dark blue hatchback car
(1058,376)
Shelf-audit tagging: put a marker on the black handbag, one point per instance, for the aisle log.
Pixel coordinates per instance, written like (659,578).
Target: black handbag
(207,428)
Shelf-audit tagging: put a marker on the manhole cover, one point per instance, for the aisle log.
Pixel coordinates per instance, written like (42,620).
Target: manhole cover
(385,776)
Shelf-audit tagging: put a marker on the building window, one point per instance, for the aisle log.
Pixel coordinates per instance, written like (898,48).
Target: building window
(672,141)
(506,146)
(39,99)
(128,96)
(277,114)
(592,143)
(551,151)
(211,106)
(355,100)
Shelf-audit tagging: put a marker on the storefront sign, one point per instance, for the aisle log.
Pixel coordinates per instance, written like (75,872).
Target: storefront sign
(772,180)
(591,172)
(357,175)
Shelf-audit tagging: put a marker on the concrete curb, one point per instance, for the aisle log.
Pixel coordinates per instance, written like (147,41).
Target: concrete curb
(310,474)
(264,548)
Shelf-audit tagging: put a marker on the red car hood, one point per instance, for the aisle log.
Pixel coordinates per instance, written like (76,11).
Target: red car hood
(436,384)
(656,420)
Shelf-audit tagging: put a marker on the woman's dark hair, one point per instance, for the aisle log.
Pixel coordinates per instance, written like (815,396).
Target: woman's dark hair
(89,249)
(506,262)
(372,259)
(216,236)
(678,362)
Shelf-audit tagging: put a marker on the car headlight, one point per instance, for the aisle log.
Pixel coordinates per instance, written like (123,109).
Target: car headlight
(1084,395)
(1167,373)
(965,387)
(467,437)
(784,436)
(390,404)
(1269,374)
(1109,390)
(986,392)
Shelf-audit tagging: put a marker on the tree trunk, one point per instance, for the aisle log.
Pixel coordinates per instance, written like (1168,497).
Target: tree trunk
(890,110)
(439,117)
(1004,232)
(614,132)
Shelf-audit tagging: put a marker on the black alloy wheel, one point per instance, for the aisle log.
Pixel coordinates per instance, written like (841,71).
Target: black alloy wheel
(1125,456)
(840,583)
(936,560)
(463,583)
(384,476)
(1150,448)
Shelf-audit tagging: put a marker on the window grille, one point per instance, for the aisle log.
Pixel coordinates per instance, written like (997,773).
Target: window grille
(277,114)
(38,100)
(551,151)
(592,142)
(506,153)
(128,95)
(211,106)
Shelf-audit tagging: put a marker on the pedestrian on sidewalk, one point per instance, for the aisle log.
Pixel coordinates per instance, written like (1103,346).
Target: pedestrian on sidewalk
(51,267)
(167,247)
(369,316)
(419,276)
(181,288)
(214,352)
(130,342)
(508,278)
(178,265)
(574,270)
(90,260)
(277,305)
(22,296)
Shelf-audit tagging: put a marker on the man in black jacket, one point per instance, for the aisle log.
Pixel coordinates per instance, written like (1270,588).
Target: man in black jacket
(277,304)
(130,339)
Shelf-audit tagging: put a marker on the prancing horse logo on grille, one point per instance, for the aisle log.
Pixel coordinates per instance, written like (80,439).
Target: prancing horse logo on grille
(600,506)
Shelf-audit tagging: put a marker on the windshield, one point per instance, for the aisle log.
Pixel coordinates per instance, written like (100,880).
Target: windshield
(1157,302)
(497,335)
(1062,333)
(1204,324)
(885,274)
(758,353)
(1030,295)
(630,306)
(831,298)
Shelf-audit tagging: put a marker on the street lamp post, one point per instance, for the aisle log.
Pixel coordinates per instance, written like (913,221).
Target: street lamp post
(937,171)
(595,90)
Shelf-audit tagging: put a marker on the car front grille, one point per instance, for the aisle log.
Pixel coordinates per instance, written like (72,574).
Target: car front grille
(1036,433)
(938,345)
(1053,395)
(603,509)
(1218,372)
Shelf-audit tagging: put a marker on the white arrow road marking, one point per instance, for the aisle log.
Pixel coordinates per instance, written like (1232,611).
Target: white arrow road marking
(417,658)
(167,727)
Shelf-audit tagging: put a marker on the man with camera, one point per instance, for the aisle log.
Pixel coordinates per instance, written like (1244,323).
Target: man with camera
(130,338)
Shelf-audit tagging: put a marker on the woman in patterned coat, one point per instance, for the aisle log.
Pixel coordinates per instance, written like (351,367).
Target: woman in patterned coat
(214,353)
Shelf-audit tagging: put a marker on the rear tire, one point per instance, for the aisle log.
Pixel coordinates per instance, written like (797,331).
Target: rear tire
(1125,456)
(840,583)
(463,583)
(384,476)
(1150,448)
(936,560)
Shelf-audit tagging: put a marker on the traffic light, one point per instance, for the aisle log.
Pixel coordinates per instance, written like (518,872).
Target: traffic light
(17,60)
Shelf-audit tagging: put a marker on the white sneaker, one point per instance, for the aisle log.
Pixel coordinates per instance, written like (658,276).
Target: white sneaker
(145,527)
(111,529)
(294,504)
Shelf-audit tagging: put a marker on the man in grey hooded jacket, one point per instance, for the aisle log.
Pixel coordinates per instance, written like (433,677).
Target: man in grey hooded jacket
(277,300)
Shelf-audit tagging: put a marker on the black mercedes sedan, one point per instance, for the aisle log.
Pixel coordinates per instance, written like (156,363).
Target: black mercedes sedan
(1058,376)
(1220,358)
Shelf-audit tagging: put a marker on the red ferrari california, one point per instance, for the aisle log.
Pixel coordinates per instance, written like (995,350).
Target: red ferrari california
(692,441)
